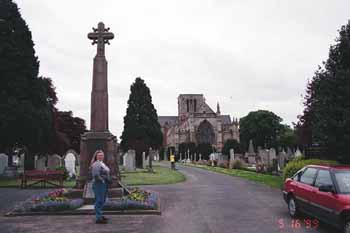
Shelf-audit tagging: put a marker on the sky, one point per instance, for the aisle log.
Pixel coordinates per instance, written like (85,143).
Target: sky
(245,54)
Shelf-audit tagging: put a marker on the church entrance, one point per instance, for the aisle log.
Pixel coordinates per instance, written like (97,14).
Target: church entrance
(205,133)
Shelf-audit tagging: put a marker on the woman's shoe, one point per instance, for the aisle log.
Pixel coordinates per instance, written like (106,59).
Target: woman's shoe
(101,221)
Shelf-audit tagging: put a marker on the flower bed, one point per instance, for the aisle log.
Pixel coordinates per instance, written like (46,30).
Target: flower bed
(49,202)
(136,200)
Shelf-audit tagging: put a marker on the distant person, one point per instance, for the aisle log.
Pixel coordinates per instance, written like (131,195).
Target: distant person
(100,179)
(172,161)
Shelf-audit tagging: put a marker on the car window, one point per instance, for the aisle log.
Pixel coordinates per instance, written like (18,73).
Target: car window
(323,178)
(343,180)
(308,176)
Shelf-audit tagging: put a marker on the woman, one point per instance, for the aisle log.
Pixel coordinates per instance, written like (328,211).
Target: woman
(100,176)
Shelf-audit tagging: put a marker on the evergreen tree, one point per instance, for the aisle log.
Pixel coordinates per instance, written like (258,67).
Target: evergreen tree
(25,115)
(141,126)
(327,105)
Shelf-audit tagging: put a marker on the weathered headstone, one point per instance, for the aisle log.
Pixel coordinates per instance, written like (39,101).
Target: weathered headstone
(3,163)
(251,159)
(297,153)
(53,162)
(200,157)
(69,162)
(264,156)
(129,161)
(232,158)
(282,157)
(41,163)
(144,161)
(251,150)
(165,156)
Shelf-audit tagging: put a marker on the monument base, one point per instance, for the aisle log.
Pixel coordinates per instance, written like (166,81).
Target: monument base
(91,142)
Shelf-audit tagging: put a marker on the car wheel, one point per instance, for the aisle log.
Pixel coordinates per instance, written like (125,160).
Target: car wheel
(292,207)
(346,227)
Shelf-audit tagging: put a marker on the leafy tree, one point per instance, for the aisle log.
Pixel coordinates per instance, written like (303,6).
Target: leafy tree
(327,106)
(25,117)
(205,149)
(141,127)
(67,133)
(286,137)
(262,126)
(232,144)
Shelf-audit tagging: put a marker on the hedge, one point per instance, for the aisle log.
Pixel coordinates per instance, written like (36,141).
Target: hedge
(298,163)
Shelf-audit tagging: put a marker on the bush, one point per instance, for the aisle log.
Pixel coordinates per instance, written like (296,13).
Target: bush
(237,164)
(300,162)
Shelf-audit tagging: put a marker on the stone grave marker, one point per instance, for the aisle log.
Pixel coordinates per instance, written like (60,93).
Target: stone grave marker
(144,161)
(282,157)
(3,163)
(69,162)
(41,163)
(129,161)
(54,161)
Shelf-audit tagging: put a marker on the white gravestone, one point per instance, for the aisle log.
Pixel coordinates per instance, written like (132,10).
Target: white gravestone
(3,163)
(144,161)
(69,162)
(53,162)
(282,156)
(129,160)
(232,158)
(41,163)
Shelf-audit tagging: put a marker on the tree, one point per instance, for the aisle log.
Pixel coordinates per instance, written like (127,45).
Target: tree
(327,106)
(25,117)
(141,127)
(205,149)
(286,137)
(232,144)
(262,126)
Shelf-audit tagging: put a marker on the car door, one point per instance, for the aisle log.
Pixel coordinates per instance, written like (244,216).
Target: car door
(305,189)
(324,203)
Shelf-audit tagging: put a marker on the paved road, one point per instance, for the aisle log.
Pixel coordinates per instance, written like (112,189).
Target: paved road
(206,202)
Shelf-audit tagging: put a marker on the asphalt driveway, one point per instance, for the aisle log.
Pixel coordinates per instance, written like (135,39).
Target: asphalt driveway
(206,202)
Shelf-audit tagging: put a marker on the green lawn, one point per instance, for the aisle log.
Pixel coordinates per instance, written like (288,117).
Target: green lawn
(270,180)
(161,175)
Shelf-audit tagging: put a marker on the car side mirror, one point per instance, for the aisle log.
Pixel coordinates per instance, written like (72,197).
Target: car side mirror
(326,188)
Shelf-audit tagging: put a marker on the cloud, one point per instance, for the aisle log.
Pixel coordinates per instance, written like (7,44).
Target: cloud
(247,55)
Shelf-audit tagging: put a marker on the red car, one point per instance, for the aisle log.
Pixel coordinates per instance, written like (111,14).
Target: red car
(322,192)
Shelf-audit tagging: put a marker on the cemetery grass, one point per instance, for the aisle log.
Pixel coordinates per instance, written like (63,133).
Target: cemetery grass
(269,180)
(161,175)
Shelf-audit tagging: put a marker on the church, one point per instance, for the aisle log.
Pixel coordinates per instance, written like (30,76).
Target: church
(197,122)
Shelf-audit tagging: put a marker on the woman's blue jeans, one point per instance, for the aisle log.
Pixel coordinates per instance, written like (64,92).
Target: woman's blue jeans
(100,191)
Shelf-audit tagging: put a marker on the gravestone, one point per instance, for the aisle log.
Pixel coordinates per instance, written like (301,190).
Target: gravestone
(3,163)
(289,153)
(129,161)
(69,162)
(41,163)
(200,157)
(251,150)
(53,162)
(297,153)
(264,156)
(165,156)
(144,161)
(232,158)
(232,154)
(251,159)
(282,157)
(180,157)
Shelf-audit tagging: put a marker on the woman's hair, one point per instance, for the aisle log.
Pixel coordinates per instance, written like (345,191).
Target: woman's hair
(94,157)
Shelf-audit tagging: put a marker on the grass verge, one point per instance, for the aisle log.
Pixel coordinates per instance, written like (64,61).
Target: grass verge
(161,175)
(269,180)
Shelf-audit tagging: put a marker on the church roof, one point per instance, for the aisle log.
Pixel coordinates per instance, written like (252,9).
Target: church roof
(170,119)
(226,119)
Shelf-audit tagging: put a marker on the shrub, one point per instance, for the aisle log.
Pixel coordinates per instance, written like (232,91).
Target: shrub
(223,164)
(299,162)
(237,164)
(65,171)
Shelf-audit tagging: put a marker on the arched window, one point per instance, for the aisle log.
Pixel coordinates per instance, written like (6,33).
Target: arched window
(205,133)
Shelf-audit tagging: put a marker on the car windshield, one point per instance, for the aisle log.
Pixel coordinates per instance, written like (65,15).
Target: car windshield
(343,181)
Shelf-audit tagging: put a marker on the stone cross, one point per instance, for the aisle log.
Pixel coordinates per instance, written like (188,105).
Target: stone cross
(100,36)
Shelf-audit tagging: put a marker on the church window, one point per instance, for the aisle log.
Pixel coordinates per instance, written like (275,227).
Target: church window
(195,105)
(188,105)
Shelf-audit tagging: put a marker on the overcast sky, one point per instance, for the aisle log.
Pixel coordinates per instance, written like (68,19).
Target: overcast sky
(246,55)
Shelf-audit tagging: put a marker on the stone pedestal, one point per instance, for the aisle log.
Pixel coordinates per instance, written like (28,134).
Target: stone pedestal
(90,142)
